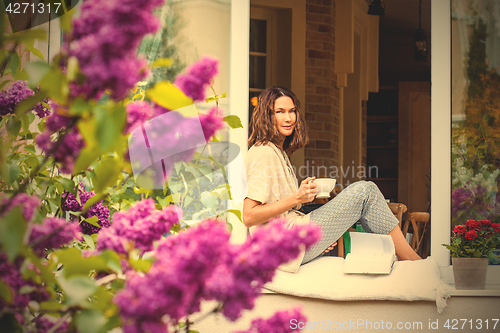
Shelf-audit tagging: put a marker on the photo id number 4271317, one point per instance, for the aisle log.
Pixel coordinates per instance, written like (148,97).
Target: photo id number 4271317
(26,7)
(478,324)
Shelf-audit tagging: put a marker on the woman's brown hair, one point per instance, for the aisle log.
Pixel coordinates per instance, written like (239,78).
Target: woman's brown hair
(262,124)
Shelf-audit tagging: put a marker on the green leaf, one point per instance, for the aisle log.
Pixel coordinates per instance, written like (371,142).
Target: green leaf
(5,292)
(92,220)
(235,212)
(31,48)
(21,75)
(110,124)
(29,103)
(140,265)
(27,35)
(13,126)
(165,94)
(51,306)
(233,121)
(90,321)
(30,148)
(106,173)
(208,200)
(79,106)
(112,260)
(77,289)
(12,172)
(36,70)
(56,85)
(67,184)
(14,63)
(74,264)
(95,199)
(12,230)
(162,62)
(89,241)
(3,83)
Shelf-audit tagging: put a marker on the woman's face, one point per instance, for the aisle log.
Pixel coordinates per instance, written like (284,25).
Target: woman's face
(285,115)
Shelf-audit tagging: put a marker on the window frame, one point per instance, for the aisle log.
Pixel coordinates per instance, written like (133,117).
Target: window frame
(441,148)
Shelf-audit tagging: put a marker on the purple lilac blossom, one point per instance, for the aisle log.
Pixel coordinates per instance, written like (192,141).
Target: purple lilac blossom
(104,40)
(44,325)
(138,227)
(197,77)
(11,98)
(67,150)
(137,113)
(97,209)
(52,233)
(169,138)
(10,274)
(211,122)
(19,91)
(29,205)
(174,284)
(199,264)
(280,322)
(253,264)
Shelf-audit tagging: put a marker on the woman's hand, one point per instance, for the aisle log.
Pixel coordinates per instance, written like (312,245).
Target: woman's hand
(331,247)
(307,190)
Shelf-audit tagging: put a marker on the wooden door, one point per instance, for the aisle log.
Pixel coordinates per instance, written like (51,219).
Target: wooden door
(414,145)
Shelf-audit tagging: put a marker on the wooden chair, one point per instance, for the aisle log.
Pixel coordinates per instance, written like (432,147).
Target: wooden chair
(421,230)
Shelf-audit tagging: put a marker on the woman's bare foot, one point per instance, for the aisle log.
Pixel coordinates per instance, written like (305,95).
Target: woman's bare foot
(403,249)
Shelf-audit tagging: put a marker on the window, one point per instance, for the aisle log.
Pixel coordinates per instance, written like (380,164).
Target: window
(441,136)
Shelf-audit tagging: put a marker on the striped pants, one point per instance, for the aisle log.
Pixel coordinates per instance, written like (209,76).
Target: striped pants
(361,201)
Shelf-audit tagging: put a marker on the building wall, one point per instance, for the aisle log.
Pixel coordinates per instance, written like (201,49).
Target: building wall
(322,103)
(329,313)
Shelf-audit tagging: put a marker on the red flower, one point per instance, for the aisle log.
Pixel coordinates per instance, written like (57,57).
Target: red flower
(471,234)
(487,235)
(496,227)
(473,225)
(460,229)
(486,223)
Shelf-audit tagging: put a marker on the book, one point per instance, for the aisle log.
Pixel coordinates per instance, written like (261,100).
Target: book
(370,254)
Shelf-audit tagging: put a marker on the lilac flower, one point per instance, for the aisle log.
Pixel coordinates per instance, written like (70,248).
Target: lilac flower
(253,264)
(174,285)
(52,234)
(199,264)
(280,322)
(138,227)
(67,149)
(11,98)
(97,209)
(10,274)
(19,91)
(197,77)
(210,123)
(56,121)
(43,325)
(137,114)
(29,205)
(169,138)
(104,40)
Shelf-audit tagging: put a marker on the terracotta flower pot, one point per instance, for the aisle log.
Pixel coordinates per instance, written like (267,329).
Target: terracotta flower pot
(470,273)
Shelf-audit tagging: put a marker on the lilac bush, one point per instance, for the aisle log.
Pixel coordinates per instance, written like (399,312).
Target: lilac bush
(10,99)
(200,264)
(104,40)
(197,77)
(52,233)
(71,204)
(138,227)
(29,205)
(280,322)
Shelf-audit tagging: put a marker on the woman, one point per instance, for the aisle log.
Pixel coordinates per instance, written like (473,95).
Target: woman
(277,130)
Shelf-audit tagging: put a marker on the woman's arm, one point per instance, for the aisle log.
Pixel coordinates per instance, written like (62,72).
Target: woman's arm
(255,212)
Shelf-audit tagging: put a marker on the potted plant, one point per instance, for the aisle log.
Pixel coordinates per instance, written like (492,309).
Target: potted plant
(471,245)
